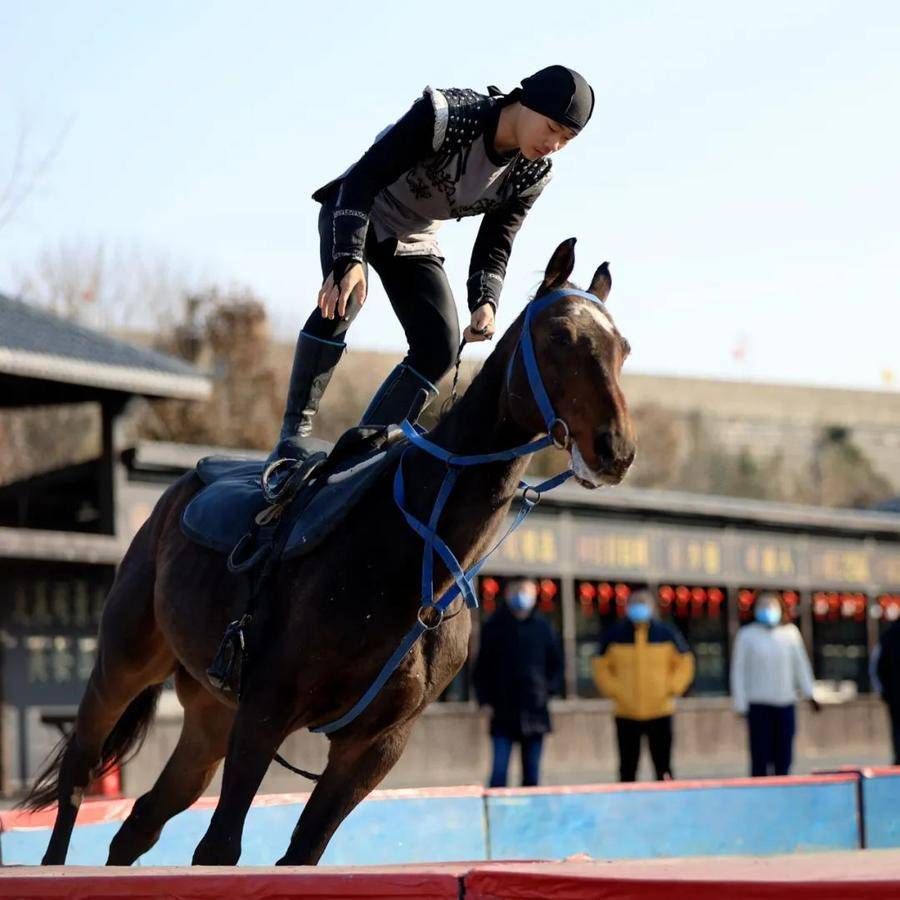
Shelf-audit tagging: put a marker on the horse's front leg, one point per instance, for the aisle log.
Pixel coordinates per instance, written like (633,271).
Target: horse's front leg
(258,731)
(355,767)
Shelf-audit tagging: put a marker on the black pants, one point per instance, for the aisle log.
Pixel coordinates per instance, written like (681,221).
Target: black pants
(419,292)
(771,738)
(894,715)
(659,736)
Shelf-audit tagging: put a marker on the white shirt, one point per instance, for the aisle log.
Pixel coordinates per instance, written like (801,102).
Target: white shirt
(769,665)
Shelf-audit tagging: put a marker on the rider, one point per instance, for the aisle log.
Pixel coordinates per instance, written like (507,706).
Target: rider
(455,153)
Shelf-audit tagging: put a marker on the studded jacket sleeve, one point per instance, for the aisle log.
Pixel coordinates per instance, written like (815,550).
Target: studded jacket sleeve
(397,149)
(490,255)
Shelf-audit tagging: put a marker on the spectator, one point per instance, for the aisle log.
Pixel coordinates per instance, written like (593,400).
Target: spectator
(643,665)
(519,665)
(887,671)
(769,668)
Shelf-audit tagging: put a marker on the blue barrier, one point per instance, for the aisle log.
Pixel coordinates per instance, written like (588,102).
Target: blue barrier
(743,816)
(389,827)
(880,802)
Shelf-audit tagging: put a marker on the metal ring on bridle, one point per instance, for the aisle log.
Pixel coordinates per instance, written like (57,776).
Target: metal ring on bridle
(423,623)
(564,444)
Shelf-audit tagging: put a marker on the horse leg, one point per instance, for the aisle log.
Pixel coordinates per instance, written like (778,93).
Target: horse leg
(133,660)
(354,768)
(259,728)
(191,767)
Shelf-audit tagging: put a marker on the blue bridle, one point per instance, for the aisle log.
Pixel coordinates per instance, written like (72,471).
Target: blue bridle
(463,579)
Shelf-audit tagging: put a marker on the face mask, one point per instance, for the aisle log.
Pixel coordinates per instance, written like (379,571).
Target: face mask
(769,615)
(638,612)
(521,601)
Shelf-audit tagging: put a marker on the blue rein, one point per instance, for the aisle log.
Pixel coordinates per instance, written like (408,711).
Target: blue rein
(463,578)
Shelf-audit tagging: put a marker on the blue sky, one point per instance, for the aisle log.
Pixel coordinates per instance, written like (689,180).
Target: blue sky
(740,174)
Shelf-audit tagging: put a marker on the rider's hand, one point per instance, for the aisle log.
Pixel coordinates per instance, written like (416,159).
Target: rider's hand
(816,706)
(333,298)
(481,326)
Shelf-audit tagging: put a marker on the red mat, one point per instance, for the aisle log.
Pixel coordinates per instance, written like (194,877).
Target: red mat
(850,875)
(437,882)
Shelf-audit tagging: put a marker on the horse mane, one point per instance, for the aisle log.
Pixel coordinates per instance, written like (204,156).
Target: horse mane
(484,374)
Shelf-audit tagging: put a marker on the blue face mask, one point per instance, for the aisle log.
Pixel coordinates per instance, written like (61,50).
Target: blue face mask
(521,601)
(638,612)
(768,615)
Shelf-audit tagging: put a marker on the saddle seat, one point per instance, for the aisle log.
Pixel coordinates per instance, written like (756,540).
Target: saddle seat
(304,501)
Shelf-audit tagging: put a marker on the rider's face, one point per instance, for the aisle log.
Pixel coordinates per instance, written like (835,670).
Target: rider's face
(538,135)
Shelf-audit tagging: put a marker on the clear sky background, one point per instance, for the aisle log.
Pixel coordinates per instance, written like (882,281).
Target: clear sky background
(741,172)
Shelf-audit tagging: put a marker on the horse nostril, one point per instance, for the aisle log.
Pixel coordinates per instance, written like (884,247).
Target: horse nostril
(603,445)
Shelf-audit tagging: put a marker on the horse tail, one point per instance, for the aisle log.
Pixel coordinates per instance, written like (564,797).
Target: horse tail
(121,745)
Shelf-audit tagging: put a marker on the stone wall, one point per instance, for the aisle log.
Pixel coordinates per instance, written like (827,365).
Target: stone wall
(449,745)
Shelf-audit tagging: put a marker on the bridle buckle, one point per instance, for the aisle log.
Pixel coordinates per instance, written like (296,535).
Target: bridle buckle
(567,437)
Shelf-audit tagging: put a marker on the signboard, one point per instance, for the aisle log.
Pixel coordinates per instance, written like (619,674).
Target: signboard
(534,544)
(839,564)
(692,553)
(763,557)
(616,551)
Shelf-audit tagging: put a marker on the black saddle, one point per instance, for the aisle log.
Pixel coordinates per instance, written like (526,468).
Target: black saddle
(245,503)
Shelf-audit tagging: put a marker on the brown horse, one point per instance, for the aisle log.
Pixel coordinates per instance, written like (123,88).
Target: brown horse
(331,619)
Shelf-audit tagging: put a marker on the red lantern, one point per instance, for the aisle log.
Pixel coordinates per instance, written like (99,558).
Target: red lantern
(666,596)
(546,593)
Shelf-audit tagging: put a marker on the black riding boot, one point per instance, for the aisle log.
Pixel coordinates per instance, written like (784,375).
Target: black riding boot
(403,394)
(314,362)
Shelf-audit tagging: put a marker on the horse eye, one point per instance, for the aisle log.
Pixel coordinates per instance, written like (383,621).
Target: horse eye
(562,337)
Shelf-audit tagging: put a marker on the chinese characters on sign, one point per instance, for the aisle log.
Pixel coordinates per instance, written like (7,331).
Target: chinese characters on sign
(532,545)
(771,558)
(840,564)
(620,552)
(693,555)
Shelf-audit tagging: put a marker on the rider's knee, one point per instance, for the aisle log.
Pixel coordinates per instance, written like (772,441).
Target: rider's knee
(436,357)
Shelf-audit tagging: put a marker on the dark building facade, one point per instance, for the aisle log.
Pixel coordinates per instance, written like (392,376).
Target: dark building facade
(61,531)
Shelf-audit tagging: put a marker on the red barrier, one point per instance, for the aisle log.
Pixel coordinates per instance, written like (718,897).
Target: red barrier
(428,882)
(851,875)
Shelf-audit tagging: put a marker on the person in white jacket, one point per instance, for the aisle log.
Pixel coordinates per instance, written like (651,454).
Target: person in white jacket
(769,671)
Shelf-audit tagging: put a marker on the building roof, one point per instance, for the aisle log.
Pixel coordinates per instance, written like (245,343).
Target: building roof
(727,510)
(713,510)
(38,345)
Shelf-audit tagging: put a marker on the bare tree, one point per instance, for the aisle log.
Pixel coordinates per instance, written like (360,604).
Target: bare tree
(122,287)
(26,172)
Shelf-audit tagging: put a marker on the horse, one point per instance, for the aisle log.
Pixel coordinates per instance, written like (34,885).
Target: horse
(330,619)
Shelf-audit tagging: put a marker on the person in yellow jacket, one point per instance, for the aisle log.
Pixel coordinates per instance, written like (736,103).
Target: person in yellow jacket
(642,666)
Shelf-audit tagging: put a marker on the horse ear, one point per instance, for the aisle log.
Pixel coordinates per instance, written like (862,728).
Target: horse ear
(601,282)
(560,266)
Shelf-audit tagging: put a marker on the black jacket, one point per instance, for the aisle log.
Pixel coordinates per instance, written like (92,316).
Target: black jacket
(888,666)
(519,666)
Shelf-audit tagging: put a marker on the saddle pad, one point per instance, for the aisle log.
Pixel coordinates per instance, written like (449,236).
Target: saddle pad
(223,511)
(330,506)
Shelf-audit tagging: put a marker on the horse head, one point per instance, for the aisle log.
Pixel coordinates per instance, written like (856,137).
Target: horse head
(575,361)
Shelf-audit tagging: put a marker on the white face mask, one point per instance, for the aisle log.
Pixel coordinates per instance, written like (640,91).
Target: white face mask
(521,602)
(769,615)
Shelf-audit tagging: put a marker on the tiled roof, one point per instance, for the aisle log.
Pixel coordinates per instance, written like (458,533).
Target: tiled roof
(35,343)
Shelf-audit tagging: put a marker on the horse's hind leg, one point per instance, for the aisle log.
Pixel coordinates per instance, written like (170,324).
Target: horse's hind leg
(200,749)
(133,659)
(354,769)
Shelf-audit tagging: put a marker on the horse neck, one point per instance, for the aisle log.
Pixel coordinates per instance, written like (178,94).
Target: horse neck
(478,423)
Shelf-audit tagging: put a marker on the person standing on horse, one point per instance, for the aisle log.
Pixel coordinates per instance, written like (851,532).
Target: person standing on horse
(455,153)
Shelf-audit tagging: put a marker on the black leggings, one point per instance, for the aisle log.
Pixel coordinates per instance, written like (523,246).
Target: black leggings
(419,292)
